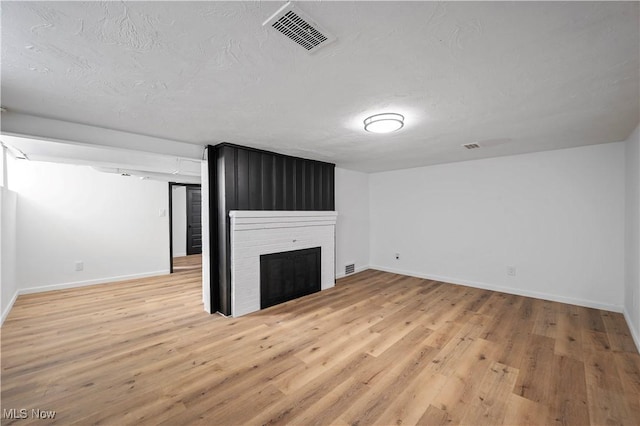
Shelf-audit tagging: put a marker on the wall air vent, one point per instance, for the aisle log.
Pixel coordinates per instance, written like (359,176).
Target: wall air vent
(349,269)
(299,28)
(471,145)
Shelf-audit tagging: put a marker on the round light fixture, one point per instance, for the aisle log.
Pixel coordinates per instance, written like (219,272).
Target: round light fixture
(384,123)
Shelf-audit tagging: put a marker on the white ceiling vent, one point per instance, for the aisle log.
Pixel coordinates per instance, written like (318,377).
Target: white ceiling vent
(299,28)
(471,145)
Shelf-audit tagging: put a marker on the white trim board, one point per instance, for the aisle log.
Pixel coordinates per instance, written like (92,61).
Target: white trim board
(508,290)
(9,306)
(62,286)
(75,284)
(358,269)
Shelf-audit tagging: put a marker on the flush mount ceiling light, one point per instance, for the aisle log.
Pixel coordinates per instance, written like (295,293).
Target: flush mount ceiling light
(384,123)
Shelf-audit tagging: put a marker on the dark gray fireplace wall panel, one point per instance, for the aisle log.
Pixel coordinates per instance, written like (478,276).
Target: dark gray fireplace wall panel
(242,178)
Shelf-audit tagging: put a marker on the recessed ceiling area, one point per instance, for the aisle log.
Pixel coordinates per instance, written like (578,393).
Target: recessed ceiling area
(532,75)
(106,159)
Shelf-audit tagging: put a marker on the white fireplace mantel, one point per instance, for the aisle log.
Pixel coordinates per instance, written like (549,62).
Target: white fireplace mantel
(254,233)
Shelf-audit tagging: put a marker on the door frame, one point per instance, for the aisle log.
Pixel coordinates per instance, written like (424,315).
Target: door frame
(171,185)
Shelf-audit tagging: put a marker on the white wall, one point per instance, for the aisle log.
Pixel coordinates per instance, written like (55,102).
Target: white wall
(8,281)
(179,213)
(632,234)
(556,216)
(352,228)
(72,213)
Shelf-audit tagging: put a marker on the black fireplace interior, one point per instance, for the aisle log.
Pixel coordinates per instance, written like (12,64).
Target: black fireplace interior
(288,275)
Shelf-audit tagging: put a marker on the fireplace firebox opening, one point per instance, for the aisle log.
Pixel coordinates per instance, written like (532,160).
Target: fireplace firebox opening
(289,275)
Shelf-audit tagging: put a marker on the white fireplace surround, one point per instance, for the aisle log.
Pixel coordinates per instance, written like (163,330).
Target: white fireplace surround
(254,233)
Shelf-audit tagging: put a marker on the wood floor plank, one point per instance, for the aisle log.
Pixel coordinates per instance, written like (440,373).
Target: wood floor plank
(465,372)
(378,349)
(629,372)
(569,398)
(415,399)
(535,373)
(618,332)
(524,412)
(390,383)
(489,405)
(569,335)
(291,406)
(434,416)
(184,263)
(318,412)
(546,322)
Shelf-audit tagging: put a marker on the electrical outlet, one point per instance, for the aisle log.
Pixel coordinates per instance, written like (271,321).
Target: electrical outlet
(79,265)
(397,256)
(511,271)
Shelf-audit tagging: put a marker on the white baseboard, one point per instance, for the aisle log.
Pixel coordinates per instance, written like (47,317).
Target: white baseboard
(62,286)
(634,333)
(8,308)
(509,290)
(358,269)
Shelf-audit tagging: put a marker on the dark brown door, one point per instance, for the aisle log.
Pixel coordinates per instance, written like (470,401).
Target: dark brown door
(194,220)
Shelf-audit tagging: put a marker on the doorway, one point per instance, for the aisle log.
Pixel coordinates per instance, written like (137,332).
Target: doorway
(194,220)
(185,226)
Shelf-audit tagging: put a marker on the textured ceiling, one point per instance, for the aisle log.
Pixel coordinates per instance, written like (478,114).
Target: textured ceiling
(513,77)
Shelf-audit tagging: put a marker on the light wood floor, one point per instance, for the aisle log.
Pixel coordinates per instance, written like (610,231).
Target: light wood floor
(377,349)
(184,263)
